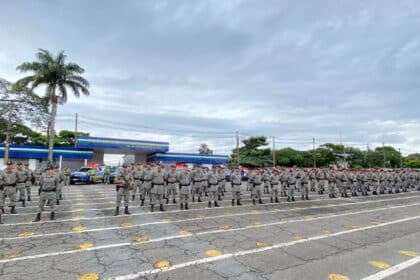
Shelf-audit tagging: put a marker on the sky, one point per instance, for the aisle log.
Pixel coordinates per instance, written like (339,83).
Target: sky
(197,71)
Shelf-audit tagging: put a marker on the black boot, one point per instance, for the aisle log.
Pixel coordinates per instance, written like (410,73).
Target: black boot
(61,197)
(260,201)
(142,202)
(126,211)
(293,198)
(253,202)
(219,198)
(37,218)
(271,199)
(199,199)
(133,197)
(57,202)
(374,193)
(209,204)
(152,208)
(0,220)
(52,216)
(174,200)
(23,203)
(193,199)
(233,202)
(39,191)
(303,197)
(2,210)
(276,200)
(288,199)
(167,200)
(238,202)
(161,208)
(29,198)
(216,204)
(13,210)
(186,206)
(117,211)
(307,197)
(182,206)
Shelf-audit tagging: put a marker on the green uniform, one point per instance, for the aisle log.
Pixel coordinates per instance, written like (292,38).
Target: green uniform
(22,176)
(10,188)
(275,187)
(184,191)
(172,185)
(213,183)
(158,188)
(236,181)
(49,185)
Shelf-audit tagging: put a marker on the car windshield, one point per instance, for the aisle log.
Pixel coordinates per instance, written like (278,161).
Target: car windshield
(84,169)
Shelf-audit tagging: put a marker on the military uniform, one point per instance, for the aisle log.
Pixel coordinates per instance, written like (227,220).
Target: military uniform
(205,182)
(322,181)
(257,188)
(275,186)
(306,181)
(236,181)
(3,180)
(266,179)
(147,184)
(332,179)
(48,184)
(196,176)
(10,188)
(353,183)
(184,191)
(67,173)
(21,177)
(284,184)
(213,187)
(172,179)
(221,178)
(124,181)
(137,175)
(291,185)
(158,189)
(29,182)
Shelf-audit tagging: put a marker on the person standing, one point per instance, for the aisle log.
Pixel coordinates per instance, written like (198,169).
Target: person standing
(107,173)
(184,191)
(257,187)
(158,188)
(172,180)
(213,186)
(66,173)
(236,181)
(48,184)
(138,175)
(123,181)
(29,182)
(275,182)
(3,181)
(10,187)
(196,176)
(21,178)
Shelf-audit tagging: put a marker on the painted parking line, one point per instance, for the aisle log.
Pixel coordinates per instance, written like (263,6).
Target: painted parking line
(179,236)
(393,269)
(211,217)
(254,251)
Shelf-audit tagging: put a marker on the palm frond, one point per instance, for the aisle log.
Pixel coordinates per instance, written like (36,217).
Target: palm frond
(74,68)
(45,56)
(75,88)
(63,93)
(61,57)
(29,66)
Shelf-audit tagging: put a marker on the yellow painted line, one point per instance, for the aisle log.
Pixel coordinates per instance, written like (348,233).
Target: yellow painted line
(11,256)
(126,225)
(336,276)
(79,229)
(25,234)
(353,226)
(139,239)
(79,209)
(200,216)
(85,246)
(166,220)
(213,253)
(224,226)
(255,211)
(375,223)
(408,253)
(261,244)
(89,276)
(184,232)
(308,218)
(379,264)
(78,218)
(326,231)
(297,237)
(256,223)
(162,264)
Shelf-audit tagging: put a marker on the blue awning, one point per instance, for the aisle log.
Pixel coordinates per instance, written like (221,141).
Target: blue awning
(188,158)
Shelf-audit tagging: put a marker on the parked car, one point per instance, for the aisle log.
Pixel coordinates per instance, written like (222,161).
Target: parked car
(87,175)
(114,173)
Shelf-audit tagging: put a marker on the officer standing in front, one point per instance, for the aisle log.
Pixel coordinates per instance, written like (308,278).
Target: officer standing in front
(213,186)
(10,187)
(184,187)
(172,179)
(123,181)
(3,180)
(21,178)
(29,181)
(236,180)
(48,185)
(158,188)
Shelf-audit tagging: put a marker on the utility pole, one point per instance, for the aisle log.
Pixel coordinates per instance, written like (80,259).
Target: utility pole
(8,127)
(367,155)
(274,152)
(237,148)
(313,146)
(399,150)
(383,149)
(75,131)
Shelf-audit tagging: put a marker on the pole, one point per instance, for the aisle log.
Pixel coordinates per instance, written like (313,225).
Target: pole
(8,131)
(274,150)
(313,146)
(75,131)
(399,150)
(383,149)
(237,148)
(60,164)
(367,155)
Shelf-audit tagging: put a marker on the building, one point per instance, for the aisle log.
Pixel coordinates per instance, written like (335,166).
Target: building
(92,150)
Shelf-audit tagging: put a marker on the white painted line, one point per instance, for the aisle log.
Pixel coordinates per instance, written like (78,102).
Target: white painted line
(254,251)
(222,207)
(165,238)
(393,270)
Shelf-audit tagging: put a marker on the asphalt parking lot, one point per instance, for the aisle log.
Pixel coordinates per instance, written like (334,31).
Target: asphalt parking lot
(372,237)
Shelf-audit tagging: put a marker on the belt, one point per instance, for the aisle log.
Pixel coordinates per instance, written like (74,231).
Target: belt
(274,183)
(236,184)
(138,179)
(122,186)
(213,184)
(147,180)
(171,182)
(255,184)
(10,185)
(185,184)
(47,190)
(158,184)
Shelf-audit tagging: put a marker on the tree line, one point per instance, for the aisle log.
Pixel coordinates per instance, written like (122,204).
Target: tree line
(255,153)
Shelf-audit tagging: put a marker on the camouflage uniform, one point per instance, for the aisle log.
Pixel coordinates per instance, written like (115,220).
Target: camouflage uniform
(236,181)
(266,179)
(196,176)
(48,184)
(124,181)
(214,187)
(10,189)
(221,178)
(137,174)
(147,184)
(172,179)
(29,182)
(158,189)
(257,188)
(184,191)
(291,185)
(21,178)
(275,185)
(305,186)
(332,179)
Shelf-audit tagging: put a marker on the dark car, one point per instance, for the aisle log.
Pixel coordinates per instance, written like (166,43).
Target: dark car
(114,173)
(84,175)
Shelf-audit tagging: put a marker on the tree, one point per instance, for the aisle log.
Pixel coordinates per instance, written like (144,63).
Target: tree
(253,153)
(58,77)
(204,150)
(67,137)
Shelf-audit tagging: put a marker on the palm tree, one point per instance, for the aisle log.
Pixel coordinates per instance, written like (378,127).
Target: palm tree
(58,77)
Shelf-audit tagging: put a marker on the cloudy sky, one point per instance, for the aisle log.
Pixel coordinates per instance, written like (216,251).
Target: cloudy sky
(196,71)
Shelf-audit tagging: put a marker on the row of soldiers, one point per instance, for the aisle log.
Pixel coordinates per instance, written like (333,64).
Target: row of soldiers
(159,185)
(16,186)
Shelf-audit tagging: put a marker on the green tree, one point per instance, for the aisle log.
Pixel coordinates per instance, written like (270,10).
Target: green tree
(67,137)
(58,77)
(253,153)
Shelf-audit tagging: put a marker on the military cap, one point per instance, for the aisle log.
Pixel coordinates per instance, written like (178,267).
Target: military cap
(124,165)
(19,163)
(49,167)
(26,163)
(9,163)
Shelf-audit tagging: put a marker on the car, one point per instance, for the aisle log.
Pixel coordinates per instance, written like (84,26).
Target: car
(87,175)
(114,173)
